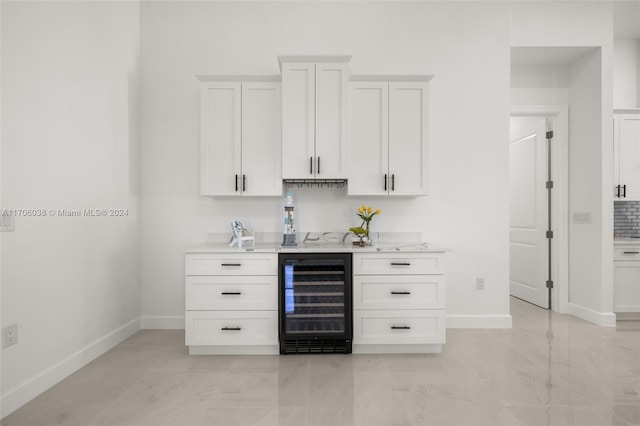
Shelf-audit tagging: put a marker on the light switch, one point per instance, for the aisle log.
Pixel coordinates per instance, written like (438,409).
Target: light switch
(581,217)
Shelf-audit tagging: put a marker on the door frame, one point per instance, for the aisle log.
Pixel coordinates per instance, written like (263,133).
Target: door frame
(559,115)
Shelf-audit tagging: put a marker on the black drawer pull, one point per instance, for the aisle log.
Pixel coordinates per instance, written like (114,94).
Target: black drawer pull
(624,191)
(400,327)
(318,171)
(244,183)
(631,252)
(400,292)
(231,328)
(310,165)
(231,293)
(231,264)
(400,264)
(385,182)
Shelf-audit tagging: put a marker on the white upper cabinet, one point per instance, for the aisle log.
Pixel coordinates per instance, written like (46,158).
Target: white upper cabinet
(241,138)
(389,135)
(627,157)
(314,117)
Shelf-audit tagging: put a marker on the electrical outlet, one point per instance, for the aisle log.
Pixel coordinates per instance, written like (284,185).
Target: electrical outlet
(479,283)
(9,336)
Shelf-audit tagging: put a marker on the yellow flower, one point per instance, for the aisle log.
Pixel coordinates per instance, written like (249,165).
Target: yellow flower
(360,210)
(369,210)
(378,211)
(363,208)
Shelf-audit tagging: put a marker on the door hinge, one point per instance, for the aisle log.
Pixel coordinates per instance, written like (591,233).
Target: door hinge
(549,134)
(549,184)
(549,234)
(549,284)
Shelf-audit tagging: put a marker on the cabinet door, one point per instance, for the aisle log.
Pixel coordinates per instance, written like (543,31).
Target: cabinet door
(408,138)
(626,287)
(298,120)
(630,156)
(616,157)
(220,138)
(331,137)
(369,127)
(261,139)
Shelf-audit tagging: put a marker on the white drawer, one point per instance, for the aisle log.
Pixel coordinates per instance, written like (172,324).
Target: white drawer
(398,292)
(231,264)
(398,327)
(235,293)
(398,263)
(626,253)
(231,328)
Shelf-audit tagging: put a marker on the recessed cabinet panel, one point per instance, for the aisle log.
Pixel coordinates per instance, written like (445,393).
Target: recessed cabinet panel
(220,138)
(241,328)
(629,157)
(225,293)
(331,118)
(298,118)
(261,139)
(369,127)
(408,138)
(398,327)
(626,294)
(398,292)
(398,264)
(230,264)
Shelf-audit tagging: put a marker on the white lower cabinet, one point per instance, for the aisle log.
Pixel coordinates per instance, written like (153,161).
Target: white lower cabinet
(231,303)
(626,279)
(398,303)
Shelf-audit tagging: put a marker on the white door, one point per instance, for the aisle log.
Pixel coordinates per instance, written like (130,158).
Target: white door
(369,168)
(261,140)
(408,138)
(528,214)
(220,138)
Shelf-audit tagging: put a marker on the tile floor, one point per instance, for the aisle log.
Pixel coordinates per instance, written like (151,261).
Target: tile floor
(550,369)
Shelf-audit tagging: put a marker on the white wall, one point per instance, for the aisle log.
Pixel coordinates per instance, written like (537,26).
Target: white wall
(466,47)
(70,140)
(626,74)
(540,85)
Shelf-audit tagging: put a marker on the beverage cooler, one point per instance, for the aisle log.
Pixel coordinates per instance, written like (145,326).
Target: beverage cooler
(315,302)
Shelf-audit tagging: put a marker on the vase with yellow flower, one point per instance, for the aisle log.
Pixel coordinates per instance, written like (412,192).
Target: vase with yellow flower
(362,232)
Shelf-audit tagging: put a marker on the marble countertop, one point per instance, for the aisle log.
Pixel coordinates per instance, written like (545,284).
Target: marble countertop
(626,241)
(311,247)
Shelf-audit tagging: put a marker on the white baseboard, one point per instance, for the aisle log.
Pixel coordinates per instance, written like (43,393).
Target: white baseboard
(606,319)
(25,392)
(479,321)
(162,322)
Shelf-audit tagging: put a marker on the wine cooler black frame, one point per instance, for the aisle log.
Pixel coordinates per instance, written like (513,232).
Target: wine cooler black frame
(318,337)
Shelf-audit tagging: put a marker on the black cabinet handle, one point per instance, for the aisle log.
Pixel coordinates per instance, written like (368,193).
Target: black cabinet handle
(231,293)
(318,169)
(244,183)
(400,264)
(618,191)
(310,165)
(624,191)
(400,327)
(236,183)
(385,182)
(231,328)
(231,264)
(631,252)
(393,182)
(400,292)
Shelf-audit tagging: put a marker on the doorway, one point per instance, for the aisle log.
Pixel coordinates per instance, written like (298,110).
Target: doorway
(538,204)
